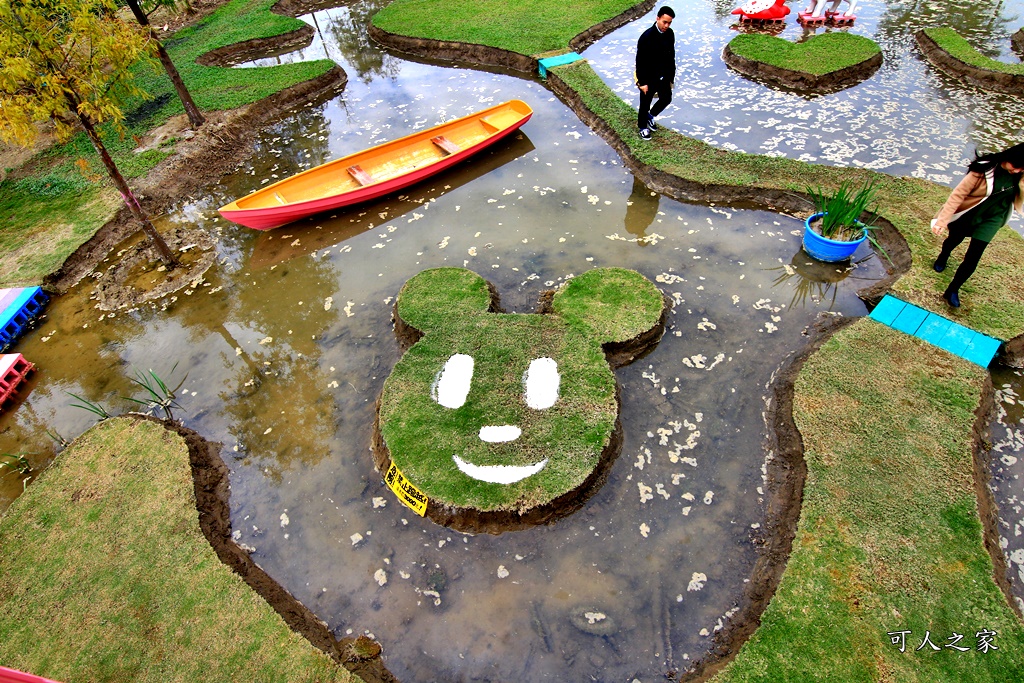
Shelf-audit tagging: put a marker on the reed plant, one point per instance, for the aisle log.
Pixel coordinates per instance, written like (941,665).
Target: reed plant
(842,210)
(158,394)
(15,462)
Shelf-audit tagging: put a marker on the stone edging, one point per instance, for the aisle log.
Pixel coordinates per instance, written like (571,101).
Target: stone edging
(210,477)
(988,79)
(803,82)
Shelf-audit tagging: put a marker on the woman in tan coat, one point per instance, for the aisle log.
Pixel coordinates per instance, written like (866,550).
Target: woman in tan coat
(981,204)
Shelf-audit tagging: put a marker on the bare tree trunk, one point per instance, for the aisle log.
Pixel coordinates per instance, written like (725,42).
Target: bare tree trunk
(195,117)
(164,251)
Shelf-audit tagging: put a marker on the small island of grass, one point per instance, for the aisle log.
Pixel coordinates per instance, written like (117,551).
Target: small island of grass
(826,62)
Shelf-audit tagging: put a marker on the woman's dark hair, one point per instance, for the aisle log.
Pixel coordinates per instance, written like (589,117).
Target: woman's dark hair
(984,162)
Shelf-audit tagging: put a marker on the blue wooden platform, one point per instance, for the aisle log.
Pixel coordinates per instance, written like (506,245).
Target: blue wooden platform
(557,60)
(18,309)
(934,329)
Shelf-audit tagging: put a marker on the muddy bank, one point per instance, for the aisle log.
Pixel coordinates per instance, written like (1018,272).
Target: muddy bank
(212,151)
(988,79)
(210,476)
(800,81)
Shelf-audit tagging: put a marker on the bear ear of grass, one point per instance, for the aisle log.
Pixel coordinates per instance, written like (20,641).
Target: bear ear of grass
(615,304)
(431,298)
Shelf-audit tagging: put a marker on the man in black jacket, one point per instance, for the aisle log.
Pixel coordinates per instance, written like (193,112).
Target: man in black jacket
(655,70)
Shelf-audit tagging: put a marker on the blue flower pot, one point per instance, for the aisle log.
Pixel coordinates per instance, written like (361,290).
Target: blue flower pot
(825,249)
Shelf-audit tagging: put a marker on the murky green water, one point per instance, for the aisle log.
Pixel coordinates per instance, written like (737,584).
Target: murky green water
(287,343)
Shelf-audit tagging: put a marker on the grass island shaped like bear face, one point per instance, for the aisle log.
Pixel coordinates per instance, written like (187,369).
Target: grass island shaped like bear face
(500,414)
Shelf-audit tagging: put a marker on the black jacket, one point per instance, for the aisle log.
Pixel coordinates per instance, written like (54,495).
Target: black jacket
(655,56)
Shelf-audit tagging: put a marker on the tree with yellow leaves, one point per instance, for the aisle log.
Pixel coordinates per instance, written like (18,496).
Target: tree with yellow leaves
(69,62)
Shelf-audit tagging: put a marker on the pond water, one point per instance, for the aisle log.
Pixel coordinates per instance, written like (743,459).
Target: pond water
(1006,436)
(285,345)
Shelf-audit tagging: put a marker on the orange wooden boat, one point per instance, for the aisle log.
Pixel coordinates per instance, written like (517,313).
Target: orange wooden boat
(378,170)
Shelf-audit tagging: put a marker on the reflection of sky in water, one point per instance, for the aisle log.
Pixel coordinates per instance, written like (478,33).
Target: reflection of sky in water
(905,120)
(289,339)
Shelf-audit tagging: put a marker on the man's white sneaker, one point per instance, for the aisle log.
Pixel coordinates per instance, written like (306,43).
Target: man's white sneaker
(645,133)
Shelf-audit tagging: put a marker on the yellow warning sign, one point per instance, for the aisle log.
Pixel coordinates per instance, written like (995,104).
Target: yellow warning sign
(406,492)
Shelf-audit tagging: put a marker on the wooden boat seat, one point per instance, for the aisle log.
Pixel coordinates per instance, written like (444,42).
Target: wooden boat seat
(279,198)
(361,176)
(446,145)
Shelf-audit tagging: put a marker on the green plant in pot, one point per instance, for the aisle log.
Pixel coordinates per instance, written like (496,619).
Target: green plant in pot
(835,231)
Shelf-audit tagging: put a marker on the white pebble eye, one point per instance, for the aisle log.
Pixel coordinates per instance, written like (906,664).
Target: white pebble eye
(453,381)
(541,383)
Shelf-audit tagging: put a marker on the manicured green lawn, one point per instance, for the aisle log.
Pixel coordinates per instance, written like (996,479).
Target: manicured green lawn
(889,537)
(528,28)
(956,45)
(105,575)
(568,436)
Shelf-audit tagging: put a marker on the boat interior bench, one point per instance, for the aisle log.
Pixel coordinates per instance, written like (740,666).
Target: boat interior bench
(361,176)
(446,145)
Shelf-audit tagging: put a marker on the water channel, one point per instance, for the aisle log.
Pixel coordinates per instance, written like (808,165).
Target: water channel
(285,344)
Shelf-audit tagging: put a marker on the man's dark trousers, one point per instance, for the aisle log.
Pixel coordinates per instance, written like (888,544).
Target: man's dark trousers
(663,89)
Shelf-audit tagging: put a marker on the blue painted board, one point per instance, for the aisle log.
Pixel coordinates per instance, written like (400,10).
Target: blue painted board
(15,307)
(934,328)
(557,60)
(909,319)
(957,339)
(982,349)
(887,309)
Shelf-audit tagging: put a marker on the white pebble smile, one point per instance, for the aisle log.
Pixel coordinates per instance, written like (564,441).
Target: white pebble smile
(498,474)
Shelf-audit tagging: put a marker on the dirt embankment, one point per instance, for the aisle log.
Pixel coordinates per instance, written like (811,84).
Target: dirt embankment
(212,151)
(477,55)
